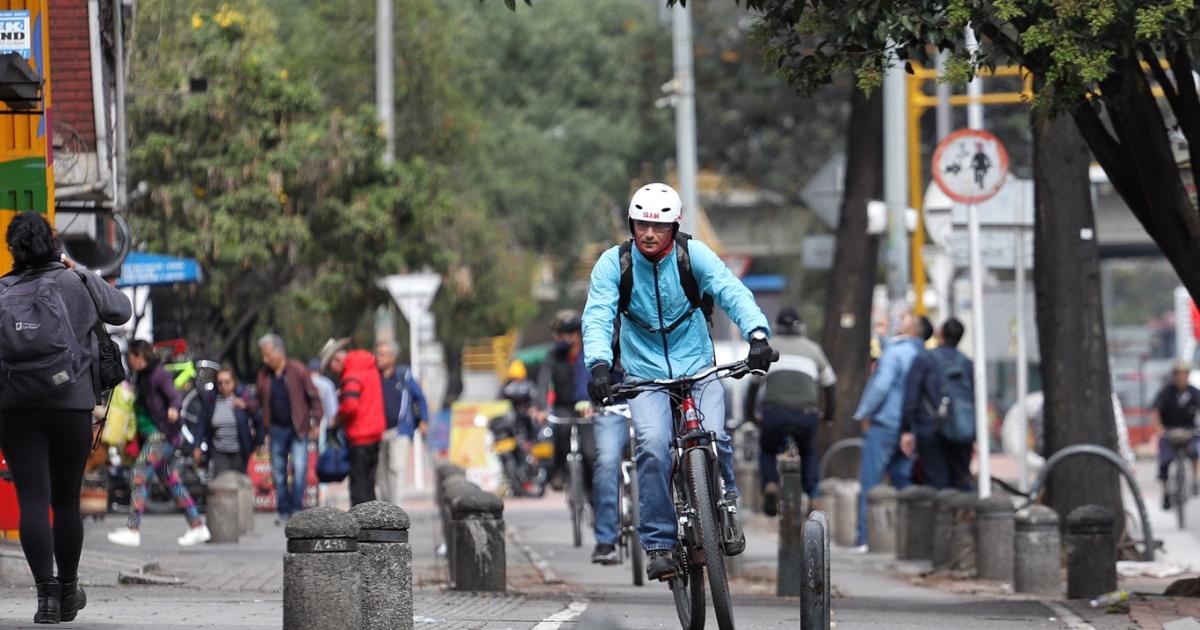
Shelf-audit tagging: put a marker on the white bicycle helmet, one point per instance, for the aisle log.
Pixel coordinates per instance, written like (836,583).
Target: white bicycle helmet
(657,203)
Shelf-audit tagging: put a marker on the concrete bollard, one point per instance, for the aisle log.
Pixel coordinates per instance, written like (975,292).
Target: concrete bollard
(452,489)
(828,489)
(320,572)
(918,523)
(384,566)
(881,519)
(745,466)
(1091,552)
(222,510)
(962,538)
(815,586)
(245,504)
(994,538)
(790,570)
(477,532)
(845,523)
(943,527)
(1036,551)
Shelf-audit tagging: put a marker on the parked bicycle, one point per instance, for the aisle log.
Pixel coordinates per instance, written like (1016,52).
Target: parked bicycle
(697,488)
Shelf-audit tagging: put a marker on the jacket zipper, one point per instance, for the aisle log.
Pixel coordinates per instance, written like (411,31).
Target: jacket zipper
(661,324)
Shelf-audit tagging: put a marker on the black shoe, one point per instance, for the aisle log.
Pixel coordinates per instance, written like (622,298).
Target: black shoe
(735,538)
(771,499)
(1166,501)
(557,481)
(71,601)
(662,565)
(604,554)
(48,592)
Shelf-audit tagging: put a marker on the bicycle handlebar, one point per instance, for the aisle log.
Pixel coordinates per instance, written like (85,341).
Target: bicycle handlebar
(731,370)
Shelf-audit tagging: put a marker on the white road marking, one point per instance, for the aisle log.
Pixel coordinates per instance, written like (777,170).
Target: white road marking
(1068,616)
(568,614)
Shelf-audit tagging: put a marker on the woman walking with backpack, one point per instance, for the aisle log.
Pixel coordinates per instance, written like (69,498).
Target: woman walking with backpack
(160,401)
(48,390)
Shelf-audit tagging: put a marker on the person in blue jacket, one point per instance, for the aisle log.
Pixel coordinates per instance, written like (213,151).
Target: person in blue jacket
(664,334)
(879,411)
(229,423)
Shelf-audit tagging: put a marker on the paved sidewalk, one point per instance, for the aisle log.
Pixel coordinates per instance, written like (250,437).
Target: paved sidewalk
(239,586)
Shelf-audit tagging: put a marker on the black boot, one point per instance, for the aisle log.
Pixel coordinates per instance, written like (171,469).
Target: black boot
(48,592)
(72,600)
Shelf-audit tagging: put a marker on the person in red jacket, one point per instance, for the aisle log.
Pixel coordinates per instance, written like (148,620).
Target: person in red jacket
(360,412)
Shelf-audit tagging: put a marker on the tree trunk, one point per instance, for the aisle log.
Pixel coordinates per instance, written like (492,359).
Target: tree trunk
(852,280)
(1075,376)
(452,350)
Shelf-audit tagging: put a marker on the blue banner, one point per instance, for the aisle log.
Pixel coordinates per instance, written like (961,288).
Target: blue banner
(141,269)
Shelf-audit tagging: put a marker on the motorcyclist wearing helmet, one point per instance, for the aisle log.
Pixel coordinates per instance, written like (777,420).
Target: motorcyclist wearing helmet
(663,334)
(791,402)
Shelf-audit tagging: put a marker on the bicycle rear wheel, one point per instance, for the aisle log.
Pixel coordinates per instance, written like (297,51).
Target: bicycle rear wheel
(636,556)
(688,591)
(575,499)
(704,502)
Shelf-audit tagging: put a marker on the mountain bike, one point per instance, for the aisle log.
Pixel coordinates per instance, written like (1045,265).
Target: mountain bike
(698,489)
(1180,440)
(577,495)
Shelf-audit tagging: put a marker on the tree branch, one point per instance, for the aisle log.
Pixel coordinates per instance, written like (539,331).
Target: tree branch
(1112,157)
(1187,110)
(1160,75)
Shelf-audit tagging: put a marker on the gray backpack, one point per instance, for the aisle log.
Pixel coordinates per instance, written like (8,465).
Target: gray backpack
(39,354)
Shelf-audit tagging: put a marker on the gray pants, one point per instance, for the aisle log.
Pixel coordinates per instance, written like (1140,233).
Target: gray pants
(220,462)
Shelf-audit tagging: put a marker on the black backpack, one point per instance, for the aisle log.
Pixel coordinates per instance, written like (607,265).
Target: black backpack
(687,279)
(106,365)
(39,355)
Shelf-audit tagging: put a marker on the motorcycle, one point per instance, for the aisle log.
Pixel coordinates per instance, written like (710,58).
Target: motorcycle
(525,463)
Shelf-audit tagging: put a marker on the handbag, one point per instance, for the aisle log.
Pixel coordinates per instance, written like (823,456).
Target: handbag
(333,462)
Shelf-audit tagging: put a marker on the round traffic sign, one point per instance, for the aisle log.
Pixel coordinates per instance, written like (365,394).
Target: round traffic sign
(970,165)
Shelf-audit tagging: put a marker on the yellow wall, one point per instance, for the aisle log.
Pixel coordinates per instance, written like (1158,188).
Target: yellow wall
(25,138)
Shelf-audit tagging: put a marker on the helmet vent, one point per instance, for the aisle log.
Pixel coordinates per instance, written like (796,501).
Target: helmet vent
(638,206)
(666,209)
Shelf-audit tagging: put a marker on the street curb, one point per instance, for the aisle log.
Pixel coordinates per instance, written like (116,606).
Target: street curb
(535,558)
(1068,616)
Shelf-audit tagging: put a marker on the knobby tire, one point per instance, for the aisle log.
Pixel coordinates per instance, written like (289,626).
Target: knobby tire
(704,502)
(636,555)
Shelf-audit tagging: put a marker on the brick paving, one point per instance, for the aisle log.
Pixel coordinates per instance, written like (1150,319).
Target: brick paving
(1153,614)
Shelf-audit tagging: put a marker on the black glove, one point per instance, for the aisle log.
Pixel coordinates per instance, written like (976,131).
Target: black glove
(761,355)
(600,389)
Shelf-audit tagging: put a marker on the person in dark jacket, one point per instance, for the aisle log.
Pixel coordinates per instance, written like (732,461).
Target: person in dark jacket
(562,384)
(405,411)
(360,412)
(945,463)
(159,400)
(47,441)
(229,423)
(291,410)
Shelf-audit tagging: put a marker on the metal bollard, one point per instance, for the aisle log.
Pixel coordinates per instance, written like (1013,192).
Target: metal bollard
(815,591)
(994,538)
(477,532)
(222,509)
(918,523)
(245,504)
(1036,551)
(320,572)
(881,519)
(962,538)
(943,527)
(384,566)
(845,503)
(1091,552)
(790,566)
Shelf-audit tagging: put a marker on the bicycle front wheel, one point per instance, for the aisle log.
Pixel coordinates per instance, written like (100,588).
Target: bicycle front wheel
(1181,485)
(576,499)
(704,501)
(688,590)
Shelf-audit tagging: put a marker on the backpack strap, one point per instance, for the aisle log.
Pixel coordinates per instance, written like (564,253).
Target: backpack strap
(687,278)
(625,288)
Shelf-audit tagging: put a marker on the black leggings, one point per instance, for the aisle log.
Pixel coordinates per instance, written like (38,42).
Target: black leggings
(47,450)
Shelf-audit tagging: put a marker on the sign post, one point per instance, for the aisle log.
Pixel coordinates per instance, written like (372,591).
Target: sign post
(413,293)
(970,165)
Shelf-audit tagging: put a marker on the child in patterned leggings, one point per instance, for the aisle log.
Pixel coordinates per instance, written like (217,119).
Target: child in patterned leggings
(156,459)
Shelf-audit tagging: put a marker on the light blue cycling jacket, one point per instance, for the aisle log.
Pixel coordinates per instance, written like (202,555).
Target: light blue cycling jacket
(651,353)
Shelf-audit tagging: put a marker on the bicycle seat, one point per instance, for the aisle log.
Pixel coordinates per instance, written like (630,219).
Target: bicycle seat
(1180,437)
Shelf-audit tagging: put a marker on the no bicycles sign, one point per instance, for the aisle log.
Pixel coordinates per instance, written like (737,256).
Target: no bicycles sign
(970,165)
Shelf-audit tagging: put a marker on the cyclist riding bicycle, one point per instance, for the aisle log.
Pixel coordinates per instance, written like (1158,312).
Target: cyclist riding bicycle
(562,383)
(1176,407)
(660,296)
